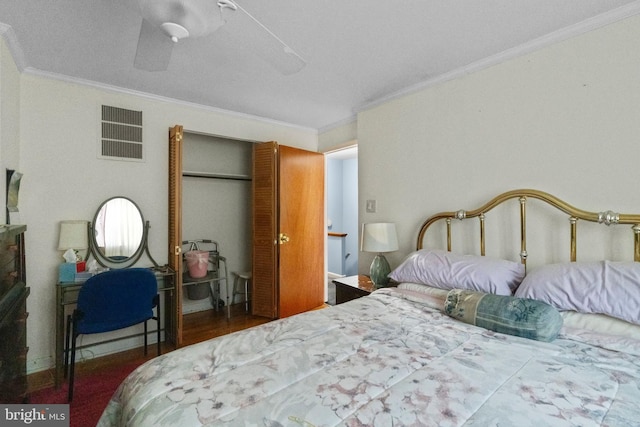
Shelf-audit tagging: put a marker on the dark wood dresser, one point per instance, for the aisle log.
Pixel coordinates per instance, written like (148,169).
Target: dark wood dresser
(13,315)
(352,287)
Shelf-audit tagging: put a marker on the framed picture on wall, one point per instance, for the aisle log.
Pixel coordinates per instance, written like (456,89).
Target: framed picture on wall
(13,188)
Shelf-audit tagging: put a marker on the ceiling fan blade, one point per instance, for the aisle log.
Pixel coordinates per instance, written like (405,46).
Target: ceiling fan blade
(258,39)
(154,48)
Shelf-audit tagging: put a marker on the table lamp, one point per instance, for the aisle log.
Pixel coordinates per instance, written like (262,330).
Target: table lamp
(379,237)
(73,235)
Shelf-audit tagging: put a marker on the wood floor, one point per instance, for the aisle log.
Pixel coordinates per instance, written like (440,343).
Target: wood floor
(197,327)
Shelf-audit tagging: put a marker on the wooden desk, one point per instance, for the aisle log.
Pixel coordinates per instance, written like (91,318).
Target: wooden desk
(67,294)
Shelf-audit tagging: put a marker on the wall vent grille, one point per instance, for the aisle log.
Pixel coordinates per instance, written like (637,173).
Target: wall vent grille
(121,134)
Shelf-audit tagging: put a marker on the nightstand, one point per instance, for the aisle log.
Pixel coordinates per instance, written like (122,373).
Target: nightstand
(352,287)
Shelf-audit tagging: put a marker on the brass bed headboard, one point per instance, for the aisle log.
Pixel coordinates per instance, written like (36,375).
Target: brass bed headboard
(606,217)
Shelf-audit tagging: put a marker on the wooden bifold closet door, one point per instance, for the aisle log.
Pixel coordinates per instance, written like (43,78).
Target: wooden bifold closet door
(288,230)
(174,256)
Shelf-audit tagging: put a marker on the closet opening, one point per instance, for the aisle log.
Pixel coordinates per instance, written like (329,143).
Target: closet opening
(216,217)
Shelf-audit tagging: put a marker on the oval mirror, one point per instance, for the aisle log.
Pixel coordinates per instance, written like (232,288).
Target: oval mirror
(118,230)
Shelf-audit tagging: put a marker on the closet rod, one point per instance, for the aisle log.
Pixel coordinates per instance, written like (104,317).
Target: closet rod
(216,176)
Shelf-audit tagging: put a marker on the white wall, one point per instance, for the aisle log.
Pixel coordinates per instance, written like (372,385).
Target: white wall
(339,136)
(564,119)
(9,119)
(63,178)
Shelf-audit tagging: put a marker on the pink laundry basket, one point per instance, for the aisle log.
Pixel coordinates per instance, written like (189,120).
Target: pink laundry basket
(197,262)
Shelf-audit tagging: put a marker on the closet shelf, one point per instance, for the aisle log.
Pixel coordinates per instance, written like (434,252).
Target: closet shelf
(216,175)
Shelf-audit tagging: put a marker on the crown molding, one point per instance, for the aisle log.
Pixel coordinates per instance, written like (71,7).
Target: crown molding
(7,33)
(9,36)
(346,121)
(159,98)
(610,17)
(566,33)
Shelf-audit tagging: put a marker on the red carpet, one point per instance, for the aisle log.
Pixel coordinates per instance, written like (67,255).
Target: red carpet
(91,394)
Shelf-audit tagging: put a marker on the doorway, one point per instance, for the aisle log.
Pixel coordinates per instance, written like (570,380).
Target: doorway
(342,215)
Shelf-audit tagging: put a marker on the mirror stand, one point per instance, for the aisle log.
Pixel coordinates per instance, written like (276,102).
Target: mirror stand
(120,263)
(118,235)
(145,244)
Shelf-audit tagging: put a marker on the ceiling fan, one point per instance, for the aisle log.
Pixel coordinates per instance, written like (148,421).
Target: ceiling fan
(166,22)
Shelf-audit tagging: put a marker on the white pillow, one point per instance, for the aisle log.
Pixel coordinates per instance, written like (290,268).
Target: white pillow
(423,294)
(601,323)
(425,289)
(446,270)
(606,287)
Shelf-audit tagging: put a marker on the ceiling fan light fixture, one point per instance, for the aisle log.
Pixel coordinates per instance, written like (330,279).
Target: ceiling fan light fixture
(174,31)
(166,22)
(195,17)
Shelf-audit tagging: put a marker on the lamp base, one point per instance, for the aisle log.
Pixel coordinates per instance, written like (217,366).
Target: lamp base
(379,271)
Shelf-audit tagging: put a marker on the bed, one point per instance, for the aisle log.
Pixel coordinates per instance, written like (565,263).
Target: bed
(462,340)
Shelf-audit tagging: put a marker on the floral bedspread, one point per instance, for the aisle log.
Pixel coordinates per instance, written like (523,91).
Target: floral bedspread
(389,359)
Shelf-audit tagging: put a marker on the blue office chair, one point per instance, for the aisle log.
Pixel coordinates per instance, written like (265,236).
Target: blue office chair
(109,301)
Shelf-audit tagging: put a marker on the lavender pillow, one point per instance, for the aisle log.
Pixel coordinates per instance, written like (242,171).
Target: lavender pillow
(446,270)
(605,287)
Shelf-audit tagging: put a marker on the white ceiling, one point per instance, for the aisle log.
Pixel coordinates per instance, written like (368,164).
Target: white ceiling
(357,52)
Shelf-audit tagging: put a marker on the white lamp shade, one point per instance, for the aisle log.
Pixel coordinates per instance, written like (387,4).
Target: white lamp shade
(73,235)
(379,237)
